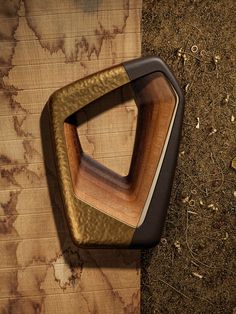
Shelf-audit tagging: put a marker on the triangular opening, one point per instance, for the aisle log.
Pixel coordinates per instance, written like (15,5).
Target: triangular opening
(106,129)
(125,197)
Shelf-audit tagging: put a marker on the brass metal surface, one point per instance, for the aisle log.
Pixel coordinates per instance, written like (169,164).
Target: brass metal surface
(89,227)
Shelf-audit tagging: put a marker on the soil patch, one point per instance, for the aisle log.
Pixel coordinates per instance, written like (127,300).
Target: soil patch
(193,268)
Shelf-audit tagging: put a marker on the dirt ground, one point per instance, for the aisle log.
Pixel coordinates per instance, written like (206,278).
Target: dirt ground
(193,268)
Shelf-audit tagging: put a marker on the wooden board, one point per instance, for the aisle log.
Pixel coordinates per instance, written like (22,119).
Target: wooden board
(43,46)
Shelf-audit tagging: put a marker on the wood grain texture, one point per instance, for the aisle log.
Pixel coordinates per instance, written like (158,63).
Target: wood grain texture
(43,46)
(124,196)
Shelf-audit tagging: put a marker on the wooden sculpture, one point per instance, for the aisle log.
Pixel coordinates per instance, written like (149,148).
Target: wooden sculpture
(105,209)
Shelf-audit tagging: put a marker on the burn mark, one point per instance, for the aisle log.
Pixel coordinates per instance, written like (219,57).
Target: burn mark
(115,294)
(39,278)
(32,176)
(87,304)
(6,59)
(84,67)
(11,306)
(72,48)
(9,248)
(75,264)
(30,152)
(134,305)
(20,306)
(35,260)
(9,10)
(68,274)
(18,124)
(9,174)
(37,306)
(7,99)
(10,214)
(9,207)
(10,92)
(6,225)
(13,284)
(89,47)
(4,159)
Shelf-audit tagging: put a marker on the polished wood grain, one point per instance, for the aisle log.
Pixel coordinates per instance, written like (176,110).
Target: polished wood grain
(124,197)
(44,46)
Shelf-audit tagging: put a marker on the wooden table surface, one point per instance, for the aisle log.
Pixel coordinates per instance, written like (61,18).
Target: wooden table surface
(45,45)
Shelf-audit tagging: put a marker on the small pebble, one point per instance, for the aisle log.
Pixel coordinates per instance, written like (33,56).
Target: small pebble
(226,99)
(213,207)
(191,203)
(177,245)
(216,58)
(213,131)
(194,48)
(198,123)
(179,52)
(226,236)
(185,199)
(187,87)
(233,163)
(191,212)
(197,275)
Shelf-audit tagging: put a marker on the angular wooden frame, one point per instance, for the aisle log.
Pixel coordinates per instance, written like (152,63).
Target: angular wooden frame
(103,208)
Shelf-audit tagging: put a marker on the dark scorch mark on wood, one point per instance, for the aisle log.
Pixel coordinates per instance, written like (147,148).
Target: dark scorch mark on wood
(8,9)
(4,159)
(80,44)
(18,126)
(10,214)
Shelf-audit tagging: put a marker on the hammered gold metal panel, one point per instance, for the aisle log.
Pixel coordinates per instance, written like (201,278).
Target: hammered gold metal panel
(89,227)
